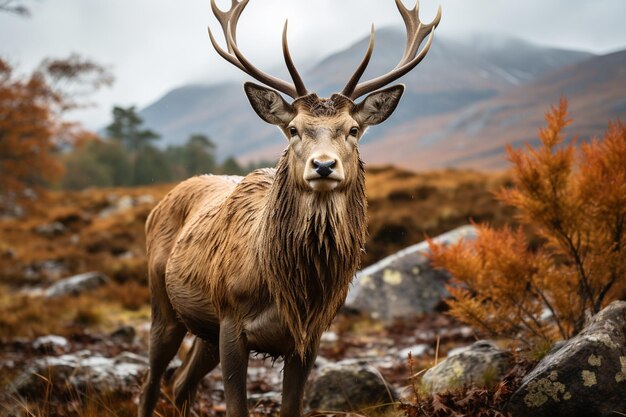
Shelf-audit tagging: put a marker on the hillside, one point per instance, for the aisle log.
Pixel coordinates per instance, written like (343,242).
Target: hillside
(476,136)
(103,229)
(455,75)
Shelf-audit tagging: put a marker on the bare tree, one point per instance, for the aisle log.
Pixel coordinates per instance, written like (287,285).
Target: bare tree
(14,6)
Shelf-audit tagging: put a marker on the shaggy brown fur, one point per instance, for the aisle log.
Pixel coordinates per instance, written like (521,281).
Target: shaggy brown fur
(263,241)
(262,263)
(310,245)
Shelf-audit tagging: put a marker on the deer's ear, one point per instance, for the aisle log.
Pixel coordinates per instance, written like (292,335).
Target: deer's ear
(378,106)
(269,104)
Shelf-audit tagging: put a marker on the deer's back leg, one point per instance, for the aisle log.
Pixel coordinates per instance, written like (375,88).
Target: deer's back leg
(202,359)
(166,336)
(165,339)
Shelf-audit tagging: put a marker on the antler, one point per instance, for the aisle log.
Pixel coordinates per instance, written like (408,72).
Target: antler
(416,33)
(228,20)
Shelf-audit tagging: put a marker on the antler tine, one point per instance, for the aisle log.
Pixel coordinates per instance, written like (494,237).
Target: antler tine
(231,16)
(295,76)
(416,30)
(228,21)
(354,80)
(228,57)
(416,33)
(376,83)
(256,73)
(411,24)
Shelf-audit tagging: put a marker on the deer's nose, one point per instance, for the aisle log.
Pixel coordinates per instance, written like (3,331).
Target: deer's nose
(324,168)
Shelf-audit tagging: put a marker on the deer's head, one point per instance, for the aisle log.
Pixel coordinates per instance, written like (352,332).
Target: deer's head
(323,133)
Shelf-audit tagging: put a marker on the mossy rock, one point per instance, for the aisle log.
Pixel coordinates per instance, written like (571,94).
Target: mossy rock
(586,376)
(481,365)
(349,385)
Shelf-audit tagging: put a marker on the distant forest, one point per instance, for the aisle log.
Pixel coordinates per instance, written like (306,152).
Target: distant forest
(127,156)
(40,150)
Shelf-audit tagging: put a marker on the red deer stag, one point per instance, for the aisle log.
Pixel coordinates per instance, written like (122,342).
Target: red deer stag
(263,263)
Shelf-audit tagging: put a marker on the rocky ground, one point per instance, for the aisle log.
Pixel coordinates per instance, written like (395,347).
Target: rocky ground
(74,312)
(54,375)
(100,326)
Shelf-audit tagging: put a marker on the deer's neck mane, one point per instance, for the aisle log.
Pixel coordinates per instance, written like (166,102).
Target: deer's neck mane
(310,247)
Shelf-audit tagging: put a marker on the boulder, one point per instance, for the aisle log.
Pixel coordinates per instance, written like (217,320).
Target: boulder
(51,344)
(125,334)
(415,351)
(481,364)
(117,205)
(81,371)
(586,376)
(51,229)
(121,204)
(349,385)
(43,270)
(77,284)
(403,284)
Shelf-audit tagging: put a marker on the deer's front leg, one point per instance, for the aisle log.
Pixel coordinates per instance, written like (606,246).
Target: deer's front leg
(234,358)
(295,375)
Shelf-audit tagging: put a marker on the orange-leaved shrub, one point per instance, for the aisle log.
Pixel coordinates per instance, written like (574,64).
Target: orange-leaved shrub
(573,200)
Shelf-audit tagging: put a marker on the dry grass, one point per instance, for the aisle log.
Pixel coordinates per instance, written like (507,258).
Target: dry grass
(102,310)
(405,206)
(131,296)
(88,240)
(59,398)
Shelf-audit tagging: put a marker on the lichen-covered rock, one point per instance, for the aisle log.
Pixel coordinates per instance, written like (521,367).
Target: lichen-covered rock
(76,285)
(403,284)
(585,377)
(481,364)
(349,385)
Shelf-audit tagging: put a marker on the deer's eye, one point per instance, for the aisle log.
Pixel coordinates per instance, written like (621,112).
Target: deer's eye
(354,131)
(293,131)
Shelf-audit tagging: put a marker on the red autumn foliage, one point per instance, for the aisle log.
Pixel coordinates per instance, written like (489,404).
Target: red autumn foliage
(575,203)
(31,124)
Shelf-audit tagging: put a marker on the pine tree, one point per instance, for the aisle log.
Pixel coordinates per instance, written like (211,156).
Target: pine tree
(231,167)
(127,129)
(199,154)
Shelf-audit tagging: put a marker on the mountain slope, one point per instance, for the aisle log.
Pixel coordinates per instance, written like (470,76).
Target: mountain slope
(476,136)
(455,75)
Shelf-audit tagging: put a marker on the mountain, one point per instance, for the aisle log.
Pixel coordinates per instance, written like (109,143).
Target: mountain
(476,136)
(455,75)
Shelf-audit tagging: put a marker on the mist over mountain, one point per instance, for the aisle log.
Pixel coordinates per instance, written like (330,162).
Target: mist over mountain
(456,76)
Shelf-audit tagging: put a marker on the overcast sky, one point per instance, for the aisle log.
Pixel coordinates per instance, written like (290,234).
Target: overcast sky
(152,46)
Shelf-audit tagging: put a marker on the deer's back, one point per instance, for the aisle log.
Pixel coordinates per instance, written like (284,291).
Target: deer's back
(199,238)
(166,221)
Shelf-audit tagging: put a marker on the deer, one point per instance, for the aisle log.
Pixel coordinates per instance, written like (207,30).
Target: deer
(263,263)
